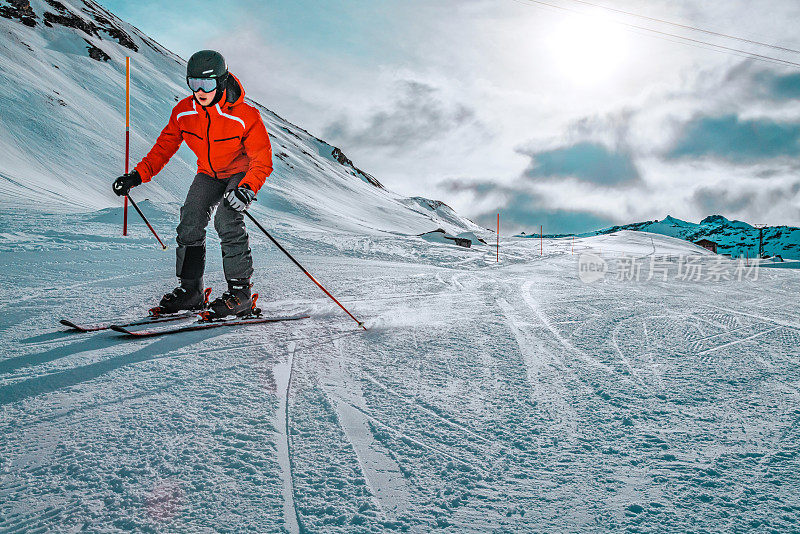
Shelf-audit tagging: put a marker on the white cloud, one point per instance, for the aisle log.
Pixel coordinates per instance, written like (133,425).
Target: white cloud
(494,63)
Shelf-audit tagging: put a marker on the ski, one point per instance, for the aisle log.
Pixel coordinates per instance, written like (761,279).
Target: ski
(96,327)
(203,325)
(156,316)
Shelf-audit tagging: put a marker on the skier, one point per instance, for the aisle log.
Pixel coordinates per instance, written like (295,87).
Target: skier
(234,158)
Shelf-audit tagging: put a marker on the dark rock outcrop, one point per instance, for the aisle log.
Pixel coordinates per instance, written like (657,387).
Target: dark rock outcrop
(98,20)
(65,17)
(20,10)
(339,156)
(96,53)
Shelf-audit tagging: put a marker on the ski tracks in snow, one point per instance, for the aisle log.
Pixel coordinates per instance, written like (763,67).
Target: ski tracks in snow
(283,378)
(529,300)
(544,370)
(383,475)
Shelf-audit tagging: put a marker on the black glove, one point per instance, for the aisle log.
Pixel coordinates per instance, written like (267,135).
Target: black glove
(124,183)
(240,198)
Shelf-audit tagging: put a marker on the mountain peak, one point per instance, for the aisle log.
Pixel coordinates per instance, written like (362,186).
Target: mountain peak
(715,219)
(735,238)
(669,219)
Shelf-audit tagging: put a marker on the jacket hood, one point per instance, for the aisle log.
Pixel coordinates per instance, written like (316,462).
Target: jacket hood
(234,92)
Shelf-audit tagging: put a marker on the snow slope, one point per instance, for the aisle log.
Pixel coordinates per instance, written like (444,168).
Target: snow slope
(736,238)
(62,131)
(484,397)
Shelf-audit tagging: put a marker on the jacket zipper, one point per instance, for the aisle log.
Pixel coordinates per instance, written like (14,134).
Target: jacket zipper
(208,142)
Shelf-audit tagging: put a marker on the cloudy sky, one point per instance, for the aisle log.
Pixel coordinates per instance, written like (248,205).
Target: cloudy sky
(569,118)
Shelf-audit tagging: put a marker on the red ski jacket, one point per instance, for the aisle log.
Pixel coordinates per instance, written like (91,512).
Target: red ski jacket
(227,138)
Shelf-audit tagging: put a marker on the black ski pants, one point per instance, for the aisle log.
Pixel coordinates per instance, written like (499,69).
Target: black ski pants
(204,195)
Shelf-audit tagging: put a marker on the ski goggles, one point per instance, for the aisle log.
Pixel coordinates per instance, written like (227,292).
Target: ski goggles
(202,84)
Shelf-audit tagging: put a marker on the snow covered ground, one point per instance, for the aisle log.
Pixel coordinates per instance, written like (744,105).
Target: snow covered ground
(483,397)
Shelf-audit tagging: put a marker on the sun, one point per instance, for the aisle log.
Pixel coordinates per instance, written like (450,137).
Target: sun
(589,49)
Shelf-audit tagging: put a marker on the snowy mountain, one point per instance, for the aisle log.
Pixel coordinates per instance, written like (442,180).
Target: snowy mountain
(736,238)
(62,130)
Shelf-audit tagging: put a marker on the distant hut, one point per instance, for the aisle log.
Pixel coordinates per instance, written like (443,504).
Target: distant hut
(708,245)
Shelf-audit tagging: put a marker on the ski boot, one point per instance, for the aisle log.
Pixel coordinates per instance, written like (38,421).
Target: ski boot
(235,301)
(189,296)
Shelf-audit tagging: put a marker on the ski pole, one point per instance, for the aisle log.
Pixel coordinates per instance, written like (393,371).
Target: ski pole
(361,324)
(163,246)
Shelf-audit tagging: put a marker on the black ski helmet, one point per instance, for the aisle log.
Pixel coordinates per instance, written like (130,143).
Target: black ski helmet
(207,64)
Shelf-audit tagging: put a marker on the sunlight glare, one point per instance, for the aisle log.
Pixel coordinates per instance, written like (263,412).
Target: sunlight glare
(588,49)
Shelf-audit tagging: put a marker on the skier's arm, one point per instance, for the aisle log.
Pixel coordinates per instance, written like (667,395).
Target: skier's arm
(166,145)
(258,148)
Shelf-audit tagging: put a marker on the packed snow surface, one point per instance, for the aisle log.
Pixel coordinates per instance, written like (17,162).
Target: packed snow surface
(483,397)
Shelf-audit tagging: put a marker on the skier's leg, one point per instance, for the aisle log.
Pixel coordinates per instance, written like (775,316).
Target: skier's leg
(190,256)
(204,193)
(237,260)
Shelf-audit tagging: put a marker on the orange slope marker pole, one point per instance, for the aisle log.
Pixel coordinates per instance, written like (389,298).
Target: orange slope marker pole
(498,238)
(541,241)
(127,136)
